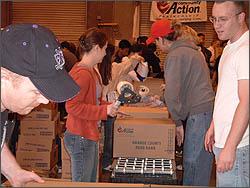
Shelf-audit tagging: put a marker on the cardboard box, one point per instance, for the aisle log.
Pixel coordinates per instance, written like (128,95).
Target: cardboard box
(138,104)
(46,129)
(66,169)
(44,112)
(37,160)
(47,173)
(145,138)
(39,144)
(64,152)
(50,182)
(143,112)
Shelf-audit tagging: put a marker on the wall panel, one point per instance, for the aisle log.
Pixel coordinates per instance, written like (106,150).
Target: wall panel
(66,19)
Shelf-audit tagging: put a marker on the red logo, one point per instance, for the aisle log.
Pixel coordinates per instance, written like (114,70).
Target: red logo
(119,129)
(163,6)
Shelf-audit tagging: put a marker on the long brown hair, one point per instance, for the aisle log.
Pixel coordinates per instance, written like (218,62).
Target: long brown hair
(105,67)
(87,40)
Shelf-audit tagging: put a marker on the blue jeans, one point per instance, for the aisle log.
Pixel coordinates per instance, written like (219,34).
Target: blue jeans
(84,157)
(239,175)
(197,163)
(107,155)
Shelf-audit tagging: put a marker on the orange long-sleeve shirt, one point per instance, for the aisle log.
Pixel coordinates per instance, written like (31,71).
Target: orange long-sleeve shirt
(83,113)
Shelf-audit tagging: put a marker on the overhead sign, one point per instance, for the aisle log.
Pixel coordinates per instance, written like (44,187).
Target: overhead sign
(184,11)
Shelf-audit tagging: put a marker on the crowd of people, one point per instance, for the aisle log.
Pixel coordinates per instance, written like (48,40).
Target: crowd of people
(207,96)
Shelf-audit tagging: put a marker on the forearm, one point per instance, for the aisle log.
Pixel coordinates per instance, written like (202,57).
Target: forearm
(8,163)
(239,125)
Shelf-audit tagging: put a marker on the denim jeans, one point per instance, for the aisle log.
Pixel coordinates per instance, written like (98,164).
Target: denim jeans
(84,157)
(239,175)
(108,142)
(197,163)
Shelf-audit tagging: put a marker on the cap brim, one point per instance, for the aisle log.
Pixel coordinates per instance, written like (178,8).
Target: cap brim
(150,40)
(59,89)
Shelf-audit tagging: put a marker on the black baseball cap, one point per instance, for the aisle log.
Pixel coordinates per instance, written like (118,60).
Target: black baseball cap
(33,51)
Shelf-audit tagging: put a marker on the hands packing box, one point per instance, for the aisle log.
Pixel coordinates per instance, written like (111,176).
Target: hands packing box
(144,138)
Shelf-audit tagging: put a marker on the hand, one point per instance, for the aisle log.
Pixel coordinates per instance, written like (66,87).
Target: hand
(179,135)
(140,58)
(225,160)
(151,104)
(121,114)
(22,177)
(112,110)
(209,139)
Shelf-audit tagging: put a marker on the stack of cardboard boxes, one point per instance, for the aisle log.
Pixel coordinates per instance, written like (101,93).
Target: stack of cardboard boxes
(36,147)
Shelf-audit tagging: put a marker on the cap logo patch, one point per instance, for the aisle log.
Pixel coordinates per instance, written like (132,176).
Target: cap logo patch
(59,59)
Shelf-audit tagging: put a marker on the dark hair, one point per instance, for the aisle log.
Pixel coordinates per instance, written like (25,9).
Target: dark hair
(89,39)
(142,39)
(72,47)
(124,44)
(200,34)
(152,46)
(136,48)
(69,45)
(65,44)
(105,67)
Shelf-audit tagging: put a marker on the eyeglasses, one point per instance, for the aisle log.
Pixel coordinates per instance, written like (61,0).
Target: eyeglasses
(222,20)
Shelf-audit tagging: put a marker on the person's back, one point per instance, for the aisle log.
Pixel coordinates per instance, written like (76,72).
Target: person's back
(188,95)
(195,90)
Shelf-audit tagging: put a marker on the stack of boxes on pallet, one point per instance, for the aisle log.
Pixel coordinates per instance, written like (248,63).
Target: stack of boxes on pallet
(36,147)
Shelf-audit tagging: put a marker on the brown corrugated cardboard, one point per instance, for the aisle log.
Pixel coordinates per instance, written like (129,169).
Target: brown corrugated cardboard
(39,144)
(65,154)
(45,112)
(66,169)
(49,182)
(46,129)
(138,104)
(151,138)
(37,160)
(143,112)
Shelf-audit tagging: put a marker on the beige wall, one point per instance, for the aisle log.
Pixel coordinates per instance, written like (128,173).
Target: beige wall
(119,12)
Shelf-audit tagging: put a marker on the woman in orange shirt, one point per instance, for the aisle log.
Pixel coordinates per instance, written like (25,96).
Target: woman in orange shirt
(87,109)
